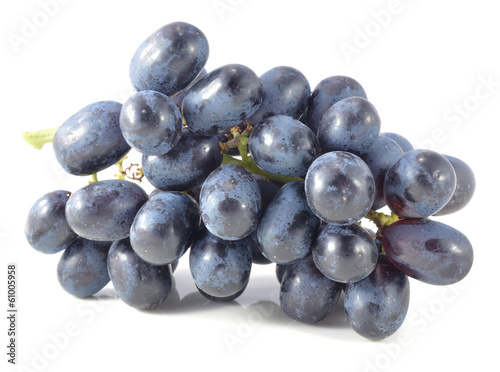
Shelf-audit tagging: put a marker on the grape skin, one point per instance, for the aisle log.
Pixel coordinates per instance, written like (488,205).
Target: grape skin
(169,59)
(377,305)
(46,228)
(429,251)
(164,227)
(82,269)
(400,140)
(105,210)
(90,140)
(138,283)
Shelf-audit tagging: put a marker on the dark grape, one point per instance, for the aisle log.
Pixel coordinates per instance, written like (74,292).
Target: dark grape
(222,99)
(151,123)
(46,227)
(381,156)
(328,92)
(222,299)
(307,295)
(180,96)
(82,269)
(230,202)
(169,59)
(466,185)
(287,227)
(419,184)
(186,166)
(164,227)
(339,188)
(377,305)
(283,145)
(138,283)
(428,250)
(345,254)
(286,92)
(91,140)
(105,210)
(220,268)
(351,124)
(400,140)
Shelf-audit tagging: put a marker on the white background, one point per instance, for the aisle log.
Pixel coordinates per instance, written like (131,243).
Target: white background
(424,64)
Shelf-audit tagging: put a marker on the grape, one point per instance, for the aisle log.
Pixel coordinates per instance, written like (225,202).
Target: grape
(222,99)
(180,96)
(400,140)
(351,124)
(345,254)
(381,156)
(138,283)
(466,185)
(230,202)
(163,228)
(377,305)
(339,188)
(151,123)
(82,269)
(222,299)
(419,184)
(282,145)
(428,250)
(286,92)
(220,268)
(186,166)
(90,140)
(169,59)
(307,295)
(105,210)
(46,228)
(287,227)
(328,92)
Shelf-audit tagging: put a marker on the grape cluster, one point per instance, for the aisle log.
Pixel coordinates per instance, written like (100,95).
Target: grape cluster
(251,170)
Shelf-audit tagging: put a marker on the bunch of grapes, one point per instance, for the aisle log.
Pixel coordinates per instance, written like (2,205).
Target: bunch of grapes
(250,170)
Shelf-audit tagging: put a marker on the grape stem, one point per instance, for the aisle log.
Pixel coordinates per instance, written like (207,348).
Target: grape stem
(40,137)
(381,220)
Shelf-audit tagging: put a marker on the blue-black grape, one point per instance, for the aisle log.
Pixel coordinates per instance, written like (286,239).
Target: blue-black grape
(400,140)
(428,250)
(138,283)
(419,184)
(286,92)
(345,254)
(377,305)
(222,99)
(328,92)
(222,299)
(105,210)
(339,188)
(82,269)
(220,268)
(178,98)
(46,228)
(186,166)
(287,227)
(307,295)
(151,123)
(466,185)
(381,156)
(169,59)
(164,227)
(283,145)
(351,124)
(91,140)
(230,202)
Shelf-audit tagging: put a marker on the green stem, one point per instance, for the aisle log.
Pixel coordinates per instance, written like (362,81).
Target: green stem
(94,178)
(40,137)
(380,219)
